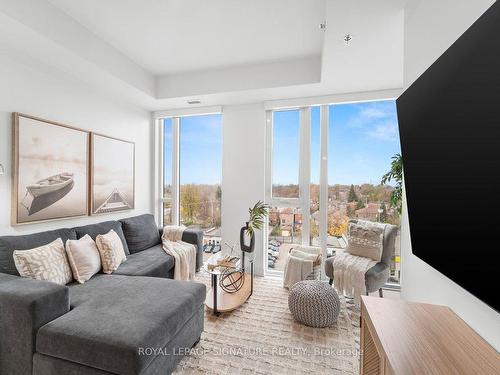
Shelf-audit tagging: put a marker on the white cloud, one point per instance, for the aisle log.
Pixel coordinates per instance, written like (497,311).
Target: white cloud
(376,120)
(370,113)
(387,131)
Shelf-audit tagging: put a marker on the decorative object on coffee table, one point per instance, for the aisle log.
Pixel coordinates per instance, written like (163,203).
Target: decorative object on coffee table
(314,303)
(255,222)
(231,280)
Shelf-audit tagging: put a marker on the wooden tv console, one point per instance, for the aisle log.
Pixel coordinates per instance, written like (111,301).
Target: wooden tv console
(399,337)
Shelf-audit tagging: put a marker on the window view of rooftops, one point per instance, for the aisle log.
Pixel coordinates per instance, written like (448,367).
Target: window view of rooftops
(199,177)
(363,170)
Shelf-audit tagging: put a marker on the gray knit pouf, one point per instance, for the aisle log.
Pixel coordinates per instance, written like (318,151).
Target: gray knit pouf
(314,303)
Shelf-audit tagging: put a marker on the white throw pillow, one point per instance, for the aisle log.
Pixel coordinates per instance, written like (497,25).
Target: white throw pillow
(83,257)
(366,239)
(48,262)
(111,250)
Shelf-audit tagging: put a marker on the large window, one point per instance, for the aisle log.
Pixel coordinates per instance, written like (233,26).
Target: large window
(192,164)
(362,139)
(327,164)
(286,134)
(200,157)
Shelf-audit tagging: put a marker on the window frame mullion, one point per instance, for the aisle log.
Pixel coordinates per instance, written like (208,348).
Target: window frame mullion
(175,170)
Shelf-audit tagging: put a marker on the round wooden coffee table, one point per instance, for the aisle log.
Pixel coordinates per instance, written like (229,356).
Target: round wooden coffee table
(217,299)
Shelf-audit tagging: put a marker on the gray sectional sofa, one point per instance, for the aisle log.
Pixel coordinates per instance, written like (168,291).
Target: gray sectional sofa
(134,321)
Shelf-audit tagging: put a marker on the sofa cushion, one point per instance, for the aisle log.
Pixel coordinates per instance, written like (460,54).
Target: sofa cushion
(111,250)
(112,316)
(10,243)
(83,257)
(151,262)
(93,230)
(141,232)
(48,262)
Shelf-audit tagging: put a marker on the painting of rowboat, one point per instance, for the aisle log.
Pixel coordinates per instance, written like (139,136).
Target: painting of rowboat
(51,175)
(113,174)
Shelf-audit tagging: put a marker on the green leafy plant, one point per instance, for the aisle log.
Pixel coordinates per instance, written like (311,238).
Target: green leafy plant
(396,174)
(257,215)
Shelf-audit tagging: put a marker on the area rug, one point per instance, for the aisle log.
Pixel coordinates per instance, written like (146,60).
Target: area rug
(261,337)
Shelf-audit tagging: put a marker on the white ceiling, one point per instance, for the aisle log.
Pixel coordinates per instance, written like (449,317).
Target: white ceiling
(171,36)
(158,54)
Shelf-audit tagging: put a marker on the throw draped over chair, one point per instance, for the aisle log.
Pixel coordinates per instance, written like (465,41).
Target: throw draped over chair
(376,276)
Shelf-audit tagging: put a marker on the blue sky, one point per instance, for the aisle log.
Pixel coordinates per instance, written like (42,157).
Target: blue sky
(362,139)
(200,149)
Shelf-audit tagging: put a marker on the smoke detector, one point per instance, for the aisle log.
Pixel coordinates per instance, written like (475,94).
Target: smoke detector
(347,39)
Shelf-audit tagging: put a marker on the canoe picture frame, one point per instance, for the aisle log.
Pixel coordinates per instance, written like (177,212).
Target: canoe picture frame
(112,174)
(50,170)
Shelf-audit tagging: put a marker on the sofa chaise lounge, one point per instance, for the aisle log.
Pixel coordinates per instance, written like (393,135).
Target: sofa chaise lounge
(134,321)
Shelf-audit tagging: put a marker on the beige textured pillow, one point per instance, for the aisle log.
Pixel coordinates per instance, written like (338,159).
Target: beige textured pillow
(83,257)
(111,250)
(46,262)
(366,239)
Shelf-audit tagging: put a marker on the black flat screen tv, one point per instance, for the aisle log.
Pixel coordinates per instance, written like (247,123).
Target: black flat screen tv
(449,121)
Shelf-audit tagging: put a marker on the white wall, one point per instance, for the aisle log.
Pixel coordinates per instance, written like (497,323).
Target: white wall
(33,88)
(243,171)
(430,28)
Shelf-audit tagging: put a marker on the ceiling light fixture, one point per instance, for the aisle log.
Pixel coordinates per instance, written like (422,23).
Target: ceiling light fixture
(194,101)
(347,39)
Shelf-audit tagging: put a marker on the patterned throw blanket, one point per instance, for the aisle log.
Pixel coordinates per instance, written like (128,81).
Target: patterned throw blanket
(349,274)
(183,252)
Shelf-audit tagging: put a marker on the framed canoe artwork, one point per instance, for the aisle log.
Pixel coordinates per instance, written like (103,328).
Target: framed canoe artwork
(50,165)
(113,174)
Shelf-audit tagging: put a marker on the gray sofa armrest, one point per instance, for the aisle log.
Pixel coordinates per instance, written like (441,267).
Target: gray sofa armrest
(25,306)
(194,237)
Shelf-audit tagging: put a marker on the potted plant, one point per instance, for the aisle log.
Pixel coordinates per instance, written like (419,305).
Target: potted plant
(257,214)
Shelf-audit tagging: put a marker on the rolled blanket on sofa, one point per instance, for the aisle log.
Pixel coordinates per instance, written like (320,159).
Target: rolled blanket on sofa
(183,252)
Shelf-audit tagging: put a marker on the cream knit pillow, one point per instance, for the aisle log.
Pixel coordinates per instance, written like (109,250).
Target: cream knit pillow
(83,257)
(366,239)
(46,262)
(111,250)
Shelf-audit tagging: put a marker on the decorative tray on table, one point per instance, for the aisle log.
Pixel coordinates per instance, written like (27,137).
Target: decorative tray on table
(224,262)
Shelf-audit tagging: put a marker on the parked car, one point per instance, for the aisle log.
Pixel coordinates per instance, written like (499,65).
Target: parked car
(208,247)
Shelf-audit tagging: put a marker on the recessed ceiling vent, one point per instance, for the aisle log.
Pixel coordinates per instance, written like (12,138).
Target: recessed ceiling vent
(194,101)
(347,39)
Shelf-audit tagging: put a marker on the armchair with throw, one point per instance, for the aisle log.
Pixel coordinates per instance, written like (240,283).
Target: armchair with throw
(376,276)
